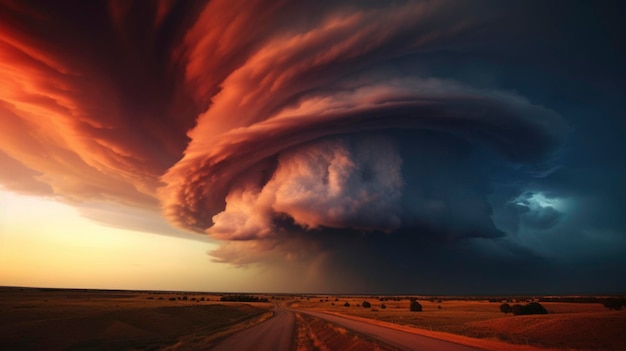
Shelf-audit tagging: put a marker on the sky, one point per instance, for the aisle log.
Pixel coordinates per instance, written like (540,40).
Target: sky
(424,147)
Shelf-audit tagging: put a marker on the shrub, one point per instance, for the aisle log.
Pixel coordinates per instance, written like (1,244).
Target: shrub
(346,304)
(518,309)
(531,308)
(505,308)
(535,308)
(383,306)
(613,304)
(415,306)
(366,304)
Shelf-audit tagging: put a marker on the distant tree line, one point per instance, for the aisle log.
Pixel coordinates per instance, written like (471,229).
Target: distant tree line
(613,303)
(243,298)
(391,298)
(574,299)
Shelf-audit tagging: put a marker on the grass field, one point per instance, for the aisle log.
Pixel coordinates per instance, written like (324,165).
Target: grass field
(575,326)
(36,319)
(32,319)
(316,334)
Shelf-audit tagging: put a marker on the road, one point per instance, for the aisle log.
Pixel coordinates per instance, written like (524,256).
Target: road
(276,334)
(392,337)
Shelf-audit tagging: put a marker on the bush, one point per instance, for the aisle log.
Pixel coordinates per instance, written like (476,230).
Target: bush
(518,309)
(346,304)
(614,304)
(415,306)
(505,308)
(535,308)
(531,308)
(366,304)
(383,306)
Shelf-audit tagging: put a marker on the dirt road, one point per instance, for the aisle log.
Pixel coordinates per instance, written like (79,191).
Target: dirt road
(392,337)
(275,334)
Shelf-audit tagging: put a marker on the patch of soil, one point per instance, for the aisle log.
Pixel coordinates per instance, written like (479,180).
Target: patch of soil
(314,334)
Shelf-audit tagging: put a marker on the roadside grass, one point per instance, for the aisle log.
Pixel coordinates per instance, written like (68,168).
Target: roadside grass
(568,326)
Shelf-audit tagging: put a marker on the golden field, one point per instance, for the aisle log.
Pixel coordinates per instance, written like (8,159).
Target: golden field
(35,319)
(568,326)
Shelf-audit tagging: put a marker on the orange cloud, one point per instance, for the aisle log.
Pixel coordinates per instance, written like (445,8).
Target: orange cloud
(75,117)
(252,120)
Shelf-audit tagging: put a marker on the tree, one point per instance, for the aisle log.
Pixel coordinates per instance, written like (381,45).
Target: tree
(366,304)
(415,306)
(535,308)
(518,309)
(531,308)
(505,308)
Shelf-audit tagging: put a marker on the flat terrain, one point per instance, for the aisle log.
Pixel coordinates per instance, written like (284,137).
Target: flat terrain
(37,319)
(91,320)
(580,326)
(394,338)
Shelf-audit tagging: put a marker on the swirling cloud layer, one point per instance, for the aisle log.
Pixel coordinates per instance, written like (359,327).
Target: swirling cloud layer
(295,131)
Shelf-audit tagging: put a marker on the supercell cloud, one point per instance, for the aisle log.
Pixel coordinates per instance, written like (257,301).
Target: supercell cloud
(347,138)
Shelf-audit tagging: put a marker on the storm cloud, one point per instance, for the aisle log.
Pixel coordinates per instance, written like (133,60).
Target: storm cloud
(347,138)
